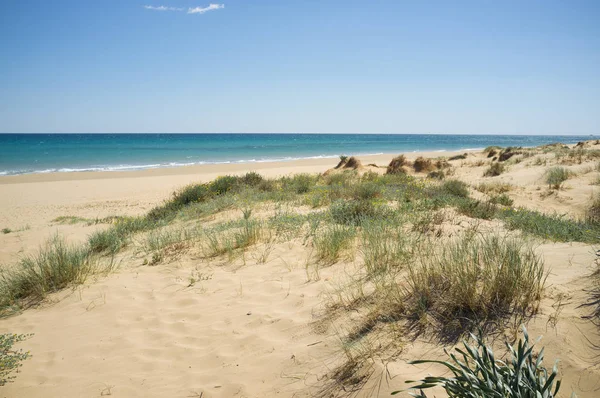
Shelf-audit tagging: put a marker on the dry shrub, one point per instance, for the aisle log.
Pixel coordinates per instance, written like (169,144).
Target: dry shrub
(422,164)
(459,157)
(396,165)
(442,164)
(353,163)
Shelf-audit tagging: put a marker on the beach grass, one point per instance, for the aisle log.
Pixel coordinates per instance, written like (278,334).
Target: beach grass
(56,266)
(411,271)
(555,176)
(471,281)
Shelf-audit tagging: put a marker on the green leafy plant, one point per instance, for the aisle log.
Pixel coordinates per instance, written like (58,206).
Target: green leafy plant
(477,373)
(10,359)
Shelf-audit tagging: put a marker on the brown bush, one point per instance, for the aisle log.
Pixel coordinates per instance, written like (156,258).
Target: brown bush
(459,157)
(422,164)
(442,164)
(353,163)
(396,165)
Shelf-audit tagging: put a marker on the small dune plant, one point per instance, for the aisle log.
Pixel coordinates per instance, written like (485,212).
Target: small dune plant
(494,170)
(10,359)
(555,176)
(593,212)
(456,188)
(502,199)
(476,372)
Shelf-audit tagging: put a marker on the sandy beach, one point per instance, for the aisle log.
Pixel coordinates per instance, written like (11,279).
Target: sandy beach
(198,327)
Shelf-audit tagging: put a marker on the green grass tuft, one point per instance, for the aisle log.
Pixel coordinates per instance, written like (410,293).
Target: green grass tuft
(552,227)
(555,176)
(56,266)
(331,241)
(471,281)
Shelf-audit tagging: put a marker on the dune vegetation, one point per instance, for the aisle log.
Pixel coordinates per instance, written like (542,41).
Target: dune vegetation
(431,266)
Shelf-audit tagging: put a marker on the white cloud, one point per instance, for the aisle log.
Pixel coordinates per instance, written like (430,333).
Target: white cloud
(202,10)
(162,8)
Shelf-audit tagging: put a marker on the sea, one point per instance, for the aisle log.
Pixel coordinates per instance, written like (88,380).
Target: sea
(47,153)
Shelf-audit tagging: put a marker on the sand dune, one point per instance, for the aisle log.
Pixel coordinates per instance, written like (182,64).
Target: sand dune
(194,327)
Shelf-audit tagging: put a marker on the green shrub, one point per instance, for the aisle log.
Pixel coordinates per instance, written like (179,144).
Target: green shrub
(478,209)
(10,359)
(367,190)
(252,179)
(222,185)
(555,176)
(494,170)
(343,179)
(370,176)
(456,188)
(502,199)
(354,212)
(6,230)
(299,183)
(267,186)
(477,373)
(190,194)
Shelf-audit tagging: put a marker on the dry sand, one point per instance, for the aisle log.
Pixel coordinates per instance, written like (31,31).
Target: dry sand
(240,331)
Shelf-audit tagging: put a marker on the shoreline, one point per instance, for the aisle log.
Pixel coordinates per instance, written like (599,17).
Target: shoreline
(313,162)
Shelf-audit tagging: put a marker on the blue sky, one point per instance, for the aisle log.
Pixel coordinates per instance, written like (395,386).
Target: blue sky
(392,66)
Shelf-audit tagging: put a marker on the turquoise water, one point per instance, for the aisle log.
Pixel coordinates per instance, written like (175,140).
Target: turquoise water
(44,153)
